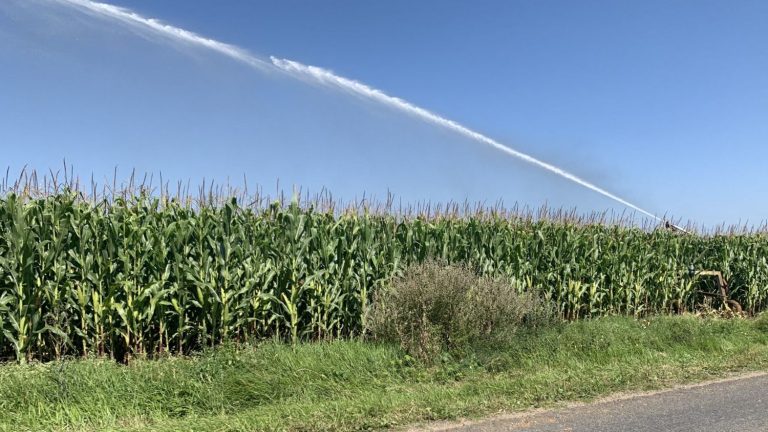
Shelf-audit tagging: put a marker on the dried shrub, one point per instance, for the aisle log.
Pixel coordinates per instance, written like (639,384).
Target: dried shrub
(434,307)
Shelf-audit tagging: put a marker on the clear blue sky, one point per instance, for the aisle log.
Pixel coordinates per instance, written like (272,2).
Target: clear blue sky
(664,103)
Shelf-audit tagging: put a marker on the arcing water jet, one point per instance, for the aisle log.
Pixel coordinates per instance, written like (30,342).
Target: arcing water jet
(329,78)
(159,28)
(323,76)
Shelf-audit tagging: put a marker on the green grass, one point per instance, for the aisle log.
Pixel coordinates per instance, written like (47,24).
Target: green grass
(349,385)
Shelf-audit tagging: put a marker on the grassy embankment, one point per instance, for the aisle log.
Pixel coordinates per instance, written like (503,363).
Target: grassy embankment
(350,385)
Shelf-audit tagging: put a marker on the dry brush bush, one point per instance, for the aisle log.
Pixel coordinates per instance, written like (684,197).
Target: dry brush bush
(435,307)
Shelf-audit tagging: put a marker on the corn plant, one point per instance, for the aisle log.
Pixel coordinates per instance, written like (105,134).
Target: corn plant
(142,274)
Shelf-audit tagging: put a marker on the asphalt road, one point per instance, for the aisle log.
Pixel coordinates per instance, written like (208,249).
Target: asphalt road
(729,405)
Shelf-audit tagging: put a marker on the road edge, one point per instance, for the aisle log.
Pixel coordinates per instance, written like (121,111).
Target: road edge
(447,425)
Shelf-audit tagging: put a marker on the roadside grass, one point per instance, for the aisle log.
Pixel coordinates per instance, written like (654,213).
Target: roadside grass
(352,385)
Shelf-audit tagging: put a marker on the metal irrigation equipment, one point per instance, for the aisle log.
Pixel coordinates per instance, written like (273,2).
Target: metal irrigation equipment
(718,289)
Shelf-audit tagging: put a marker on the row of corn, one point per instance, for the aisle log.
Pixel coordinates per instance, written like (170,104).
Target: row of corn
(147,276)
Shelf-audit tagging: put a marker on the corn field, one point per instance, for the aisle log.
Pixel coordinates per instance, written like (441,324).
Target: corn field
(139,274)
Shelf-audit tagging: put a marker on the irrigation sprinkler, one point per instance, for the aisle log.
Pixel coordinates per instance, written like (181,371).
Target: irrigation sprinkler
(672,227)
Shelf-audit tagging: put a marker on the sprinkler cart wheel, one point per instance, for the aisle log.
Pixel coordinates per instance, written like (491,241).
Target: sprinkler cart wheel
(733,305)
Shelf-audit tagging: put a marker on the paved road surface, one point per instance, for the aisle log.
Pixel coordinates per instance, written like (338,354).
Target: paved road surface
(731,405)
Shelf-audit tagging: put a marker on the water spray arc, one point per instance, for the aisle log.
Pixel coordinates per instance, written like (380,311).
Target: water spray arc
(325,77)
(160,28)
